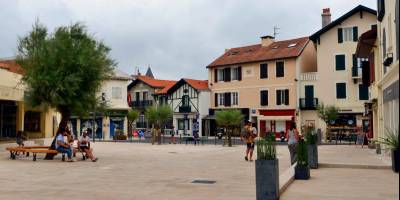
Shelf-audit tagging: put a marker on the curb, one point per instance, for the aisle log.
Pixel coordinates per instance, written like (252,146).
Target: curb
(286,179)
(353,166)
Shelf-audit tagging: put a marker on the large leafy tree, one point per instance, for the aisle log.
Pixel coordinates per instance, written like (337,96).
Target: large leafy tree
(230,120)
(63,69)
(158,116)
(327,113)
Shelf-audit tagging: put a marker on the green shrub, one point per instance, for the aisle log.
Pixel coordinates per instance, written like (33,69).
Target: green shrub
(391,139)
(266,148)
(311,137)
(302,157)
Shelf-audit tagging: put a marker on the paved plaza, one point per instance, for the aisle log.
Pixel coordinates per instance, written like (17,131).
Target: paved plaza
(143,171)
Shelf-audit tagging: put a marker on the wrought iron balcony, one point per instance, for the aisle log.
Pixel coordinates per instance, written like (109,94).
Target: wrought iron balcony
(185,109)
(142,104)
(308,103)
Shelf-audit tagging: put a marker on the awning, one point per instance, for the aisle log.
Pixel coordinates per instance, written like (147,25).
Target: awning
(365,44)
(278,118)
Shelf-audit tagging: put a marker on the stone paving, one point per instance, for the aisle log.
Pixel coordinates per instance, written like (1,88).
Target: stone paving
(143,171)
(135,171)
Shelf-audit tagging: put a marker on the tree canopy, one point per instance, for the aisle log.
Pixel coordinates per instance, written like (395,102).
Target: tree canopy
(327,112)
(64,69)
(158,115)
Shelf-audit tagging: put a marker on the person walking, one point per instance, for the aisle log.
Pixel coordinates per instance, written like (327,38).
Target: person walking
(292,136)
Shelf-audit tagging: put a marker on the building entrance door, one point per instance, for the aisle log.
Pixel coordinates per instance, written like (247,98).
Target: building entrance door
(309,94)
(8,119)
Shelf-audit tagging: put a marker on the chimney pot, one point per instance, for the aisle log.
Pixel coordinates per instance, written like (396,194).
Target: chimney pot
(326,16)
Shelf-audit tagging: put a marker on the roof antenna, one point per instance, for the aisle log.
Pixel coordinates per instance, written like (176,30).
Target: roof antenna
(275,31)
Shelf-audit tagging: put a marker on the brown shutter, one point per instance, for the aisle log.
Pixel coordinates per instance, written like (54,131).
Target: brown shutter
(240,73)
(216,99)
(215,75)
(286,97)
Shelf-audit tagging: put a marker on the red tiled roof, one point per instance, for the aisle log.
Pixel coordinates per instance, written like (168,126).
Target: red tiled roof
(197,84)
(256,53)
(162,85)
(11,66)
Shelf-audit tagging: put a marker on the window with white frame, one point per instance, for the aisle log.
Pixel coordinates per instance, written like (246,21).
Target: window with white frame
(235,98)
(348,34)
(220,75)
(282,97)
(221,98)
(235,73)
(116,92)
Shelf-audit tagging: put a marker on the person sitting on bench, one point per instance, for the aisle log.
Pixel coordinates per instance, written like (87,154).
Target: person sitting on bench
(62,146)
(83,145)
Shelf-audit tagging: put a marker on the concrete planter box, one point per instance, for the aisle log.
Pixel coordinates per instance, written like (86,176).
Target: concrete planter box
(301,172)
(312,150)
(267,179)
(395,160)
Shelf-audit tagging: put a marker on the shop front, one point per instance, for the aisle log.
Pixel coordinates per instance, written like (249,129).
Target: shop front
(275,121)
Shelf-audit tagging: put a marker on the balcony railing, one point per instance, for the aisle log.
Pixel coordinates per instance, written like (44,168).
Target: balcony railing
(142,104)
(185,109)
(310,76)
(141,125)
(308,103)
(356,72)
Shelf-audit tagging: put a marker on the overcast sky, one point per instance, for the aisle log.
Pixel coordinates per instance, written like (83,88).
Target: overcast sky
(176,38)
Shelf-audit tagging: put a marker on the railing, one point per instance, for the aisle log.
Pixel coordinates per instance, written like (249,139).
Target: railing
(356,72)
(141,125)
(309,76)
(185,109)
(142,104)
(308,104)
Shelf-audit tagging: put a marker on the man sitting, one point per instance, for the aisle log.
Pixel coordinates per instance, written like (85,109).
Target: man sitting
(83,145)
(62,146)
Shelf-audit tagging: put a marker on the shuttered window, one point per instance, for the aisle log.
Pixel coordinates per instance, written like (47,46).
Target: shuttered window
(264,97)
(227,99)
(216,99)
(340,61)
(340,35)
(240,73)
(355,33)
(227,74)
(280,69)
(363,92)
(282,97)
(340,90)
(263,70)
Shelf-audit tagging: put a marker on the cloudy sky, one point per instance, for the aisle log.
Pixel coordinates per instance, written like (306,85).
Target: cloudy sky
(177,38)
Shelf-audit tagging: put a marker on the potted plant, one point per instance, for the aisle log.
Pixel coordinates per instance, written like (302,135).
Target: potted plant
(312,147)
(267,169)
(302,169)
(391,141)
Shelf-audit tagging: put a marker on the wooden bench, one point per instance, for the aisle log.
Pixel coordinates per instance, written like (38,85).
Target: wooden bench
(15,150)
(36,151)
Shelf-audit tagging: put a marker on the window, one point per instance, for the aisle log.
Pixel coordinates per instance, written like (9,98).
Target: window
(183,124)
(348,34)
(32,121)
(263,70)
(235,73)
(340,90)
(282,97)
(280,69)
(235,98)
(185,100)
(264,97)
(363,92)
(340,62)
(220,74)
(116,92)
(221,100)
(145,96)
(137,96)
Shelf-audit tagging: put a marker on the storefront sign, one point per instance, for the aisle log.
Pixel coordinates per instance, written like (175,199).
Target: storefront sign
(391,92)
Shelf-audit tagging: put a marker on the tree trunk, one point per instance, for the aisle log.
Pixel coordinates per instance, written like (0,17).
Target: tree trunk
(65,116)
(229,137)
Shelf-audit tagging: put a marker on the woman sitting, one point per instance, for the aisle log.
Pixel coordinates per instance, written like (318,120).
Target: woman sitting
(83,145)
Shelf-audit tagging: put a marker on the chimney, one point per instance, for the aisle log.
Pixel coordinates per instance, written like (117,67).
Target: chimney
(267,40)
(326,16)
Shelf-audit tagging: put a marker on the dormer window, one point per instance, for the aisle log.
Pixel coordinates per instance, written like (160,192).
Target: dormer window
(292,45)
(275,47)
(233,53)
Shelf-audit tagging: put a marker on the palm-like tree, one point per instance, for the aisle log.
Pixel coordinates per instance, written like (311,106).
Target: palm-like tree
(158,117)
(230,120)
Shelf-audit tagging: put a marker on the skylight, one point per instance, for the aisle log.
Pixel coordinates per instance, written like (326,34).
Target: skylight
(275,47)
(292,45)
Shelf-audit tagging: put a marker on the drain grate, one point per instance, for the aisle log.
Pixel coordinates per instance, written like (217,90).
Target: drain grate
(203,182)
